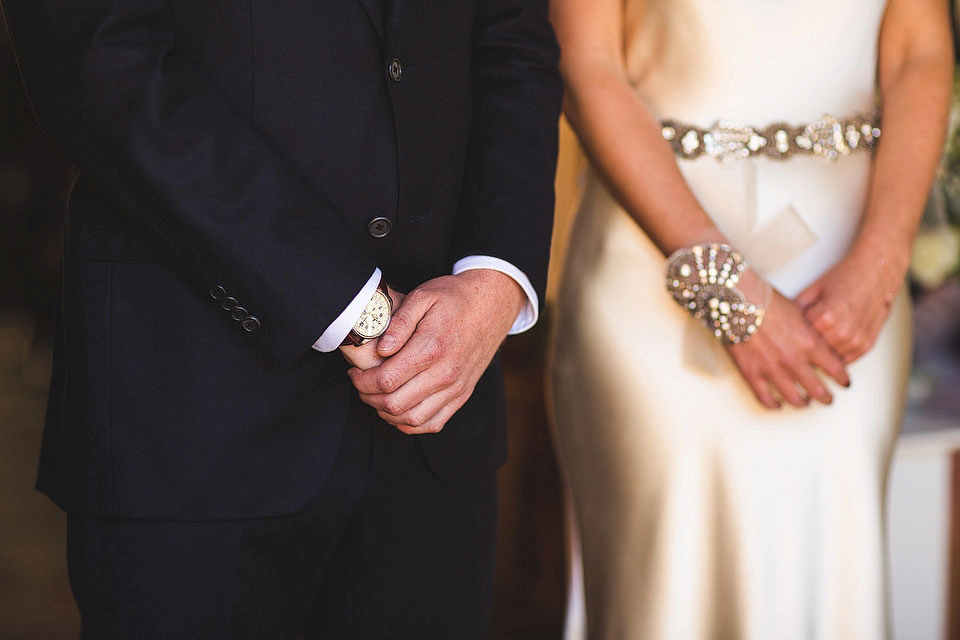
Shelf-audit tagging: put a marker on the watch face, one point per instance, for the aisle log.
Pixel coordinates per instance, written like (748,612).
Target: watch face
(375,317)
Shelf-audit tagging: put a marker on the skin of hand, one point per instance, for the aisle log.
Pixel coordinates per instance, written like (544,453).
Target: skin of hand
(850,303)
(366,356)
(783,354)
(623,139)
(440,341)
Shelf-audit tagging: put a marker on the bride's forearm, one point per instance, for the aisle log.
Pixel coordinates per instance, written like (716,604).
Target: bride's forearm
(915,75)
(622,138)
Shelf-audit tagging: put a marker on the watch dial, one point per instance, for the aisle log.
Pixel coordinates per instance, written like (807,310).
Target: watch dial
(373,321)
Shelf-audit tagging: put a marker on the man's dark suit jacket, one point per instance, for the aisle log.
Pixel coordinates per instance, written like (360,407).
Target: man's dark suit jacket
(246,144)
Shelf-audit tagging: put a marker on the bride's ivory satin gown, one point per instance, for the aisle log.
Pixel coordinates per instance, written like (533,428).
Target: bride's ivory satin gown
(702,514)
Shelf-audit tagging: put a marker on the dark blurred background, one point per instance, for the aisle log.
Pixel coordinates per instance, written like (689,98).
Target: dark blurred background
(35,601)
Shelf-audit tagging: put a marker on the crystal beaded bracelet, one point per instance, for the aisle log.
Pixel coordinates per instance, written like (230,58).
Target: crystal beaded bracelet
(703,280)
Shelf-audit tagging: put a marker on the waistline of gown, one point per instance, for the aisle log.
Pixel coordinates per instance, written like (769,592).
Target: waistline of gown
(828,137)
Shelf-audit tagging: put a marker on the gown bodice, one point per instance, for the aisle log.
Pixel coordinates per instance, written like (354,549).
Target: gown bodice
(753,61)
(757,63)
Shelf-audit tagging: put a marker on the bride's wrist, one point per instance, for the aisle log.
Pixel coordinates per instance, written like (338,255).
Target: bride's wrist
(706,234)
(887,263)
(754,287)
(890,256)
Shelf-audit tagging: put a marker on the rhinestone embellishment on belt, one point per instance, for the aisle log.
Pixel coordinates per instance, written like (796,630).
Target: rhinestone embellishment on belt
(827,137)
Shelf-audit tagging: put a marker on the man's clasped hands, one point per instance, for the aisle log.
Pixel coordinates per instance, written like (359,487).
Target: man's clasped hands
(441,338)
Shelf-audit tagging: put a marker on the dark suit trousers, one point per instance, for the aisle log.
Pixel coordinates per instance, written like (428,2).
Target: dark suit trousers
(385,550)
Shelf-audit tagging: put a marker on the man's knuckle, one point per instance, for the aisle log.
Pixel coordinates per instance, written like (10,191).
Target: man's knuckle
(386,381)
(420,296)
(450,375)
(399,321)
(433,349)
(416,420)
(393,406)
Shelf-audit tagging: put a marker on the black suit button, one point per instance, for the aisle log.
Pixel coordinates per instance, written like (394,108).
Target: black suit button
(218,293)
(251,324)
(239,314)
(395,70)
(229,304)
(379,227)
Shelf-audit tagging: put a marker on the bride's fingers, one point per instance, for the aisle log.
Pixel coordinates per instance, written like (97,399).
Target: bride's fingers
(851,340)
(848,334)
(761,389)
(853,352)
(809,296)
(746,356)
(804,374)
(830,362)
(822,317)
(864,338)
(787,388)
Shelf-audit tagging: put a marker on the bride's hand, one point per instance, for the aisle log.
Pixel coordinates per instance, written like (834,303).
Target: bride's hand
(849,304)
(784,354)
(365,356)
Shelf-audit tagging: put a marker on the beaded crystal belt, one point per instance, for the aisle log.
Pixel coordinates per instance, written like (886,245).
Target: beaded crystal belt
(827,137)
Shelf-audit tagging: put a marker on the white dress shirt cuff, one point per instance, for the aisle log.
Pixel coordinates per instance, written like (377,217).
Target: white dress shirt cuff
(530,313)
(333,337)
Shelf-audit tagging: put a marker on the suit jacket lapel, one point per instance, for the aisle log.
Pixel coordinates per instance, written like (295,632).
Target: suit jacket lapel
(375,11)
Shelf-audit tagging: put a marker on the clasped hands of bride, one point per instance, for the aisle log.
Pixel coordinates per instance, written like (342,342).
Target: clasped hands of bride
(829,325)
(441,338)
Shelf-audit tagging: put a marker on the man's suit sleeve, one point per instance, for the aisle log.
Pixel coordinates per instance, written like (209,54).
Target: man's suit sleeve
(508,203)
(112,91)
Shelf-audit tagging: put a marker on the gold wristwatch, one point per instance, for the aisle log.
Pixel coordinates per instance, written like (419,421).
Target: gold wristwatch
(373,320)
